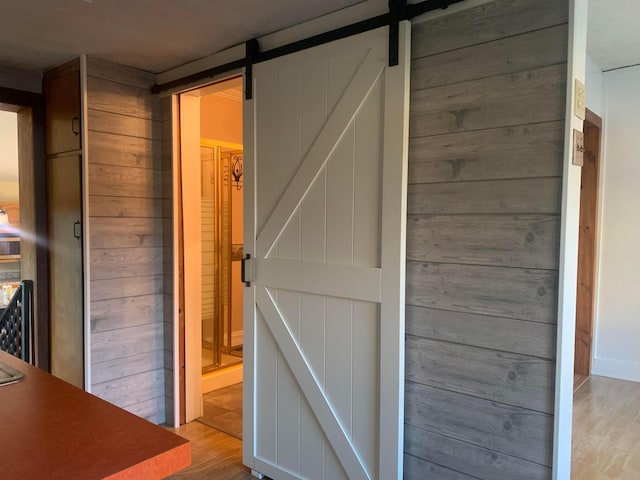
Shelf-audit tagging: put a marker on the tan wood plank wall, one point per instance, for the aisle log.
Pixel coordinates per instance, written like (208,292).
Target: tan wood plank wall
(126,244)
(485,165)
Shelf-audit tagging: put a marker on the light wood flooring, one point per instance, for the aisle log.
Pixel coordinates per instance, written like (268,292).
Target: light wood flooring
(213,454)
(606,438)
(606,430)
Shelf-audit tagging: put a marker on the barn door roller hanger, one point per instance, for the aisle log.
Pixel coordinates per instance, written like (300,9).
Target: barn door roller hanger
(399,10)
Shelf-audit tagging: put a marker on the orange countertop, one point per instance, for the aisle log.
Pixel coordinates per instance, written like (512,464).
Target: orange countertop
(51,429)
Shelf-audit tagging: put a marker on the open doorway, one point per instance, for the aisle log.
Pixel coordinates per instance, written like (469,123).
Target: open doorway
(211,157)
(10,275)
(23,218)
(585,294)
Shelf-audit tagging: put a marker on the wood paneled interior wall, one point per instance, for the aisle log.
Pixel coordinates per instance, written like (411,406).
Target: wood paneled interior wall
(485,165)
(126,244)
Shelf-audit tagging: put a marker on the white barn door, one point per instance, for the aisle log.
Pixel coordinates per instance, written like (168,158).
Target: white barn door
(325,194)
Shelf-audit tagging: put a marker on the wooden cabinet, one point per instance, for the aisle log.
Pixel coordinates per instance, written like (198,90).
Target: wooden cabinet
(62,108)
(65,268)
(64,209)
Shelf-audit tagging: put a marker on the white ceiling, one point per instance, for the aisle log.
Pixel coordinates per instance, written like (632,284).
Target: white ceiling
(613,39)
(153,35)
(157,35)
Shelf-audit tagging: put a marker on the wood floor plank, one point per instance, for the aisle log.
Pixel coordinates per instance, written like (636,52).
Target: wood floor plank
(606,430)
(213,455)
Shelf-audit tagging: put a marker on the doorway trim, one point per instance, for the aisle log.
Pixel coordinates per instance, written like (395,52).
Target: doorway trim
(568,258)
(588,248)
(185,379)
(29,107)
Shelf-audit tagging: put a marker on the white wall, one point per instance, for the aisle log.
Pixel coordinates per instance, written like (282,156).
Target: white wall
(617,341)
(594,84)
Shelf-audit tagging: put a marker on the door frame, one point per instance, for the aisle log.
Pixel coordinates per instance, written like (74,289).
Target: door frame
(29,107)
(587,249)
(187,378)
(568,258)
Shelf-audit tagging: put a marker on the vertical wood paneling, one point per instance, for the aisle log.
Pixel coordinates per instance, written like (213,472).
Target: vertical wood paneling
(266,162)
(366,178)
(266,389)
(312,341)
(485,161)
(366,400)
(313,448)
(127,242)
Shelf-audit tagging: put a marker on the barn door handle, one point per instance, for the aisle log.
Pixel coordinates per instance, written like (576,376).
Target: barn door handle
(77,230)
(243,269)
(75,125)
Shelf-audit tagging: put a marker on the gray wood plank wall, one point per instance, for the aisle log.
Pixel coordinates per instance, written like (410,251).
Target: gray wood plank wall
(485,164)
(126,244)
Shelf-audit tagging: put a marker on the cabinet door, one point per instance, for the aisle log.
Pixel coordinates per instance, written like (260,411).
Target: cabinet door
(65,269)
(62,110)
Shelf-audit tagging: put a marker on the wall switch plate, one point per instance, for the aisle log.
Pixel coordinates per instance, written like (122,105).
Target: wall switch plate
(580,100)
(578,148)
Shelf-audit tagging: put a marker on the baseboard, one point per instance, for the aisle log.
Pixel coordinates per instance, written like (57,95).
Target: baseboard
(222,378)
(620,369)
